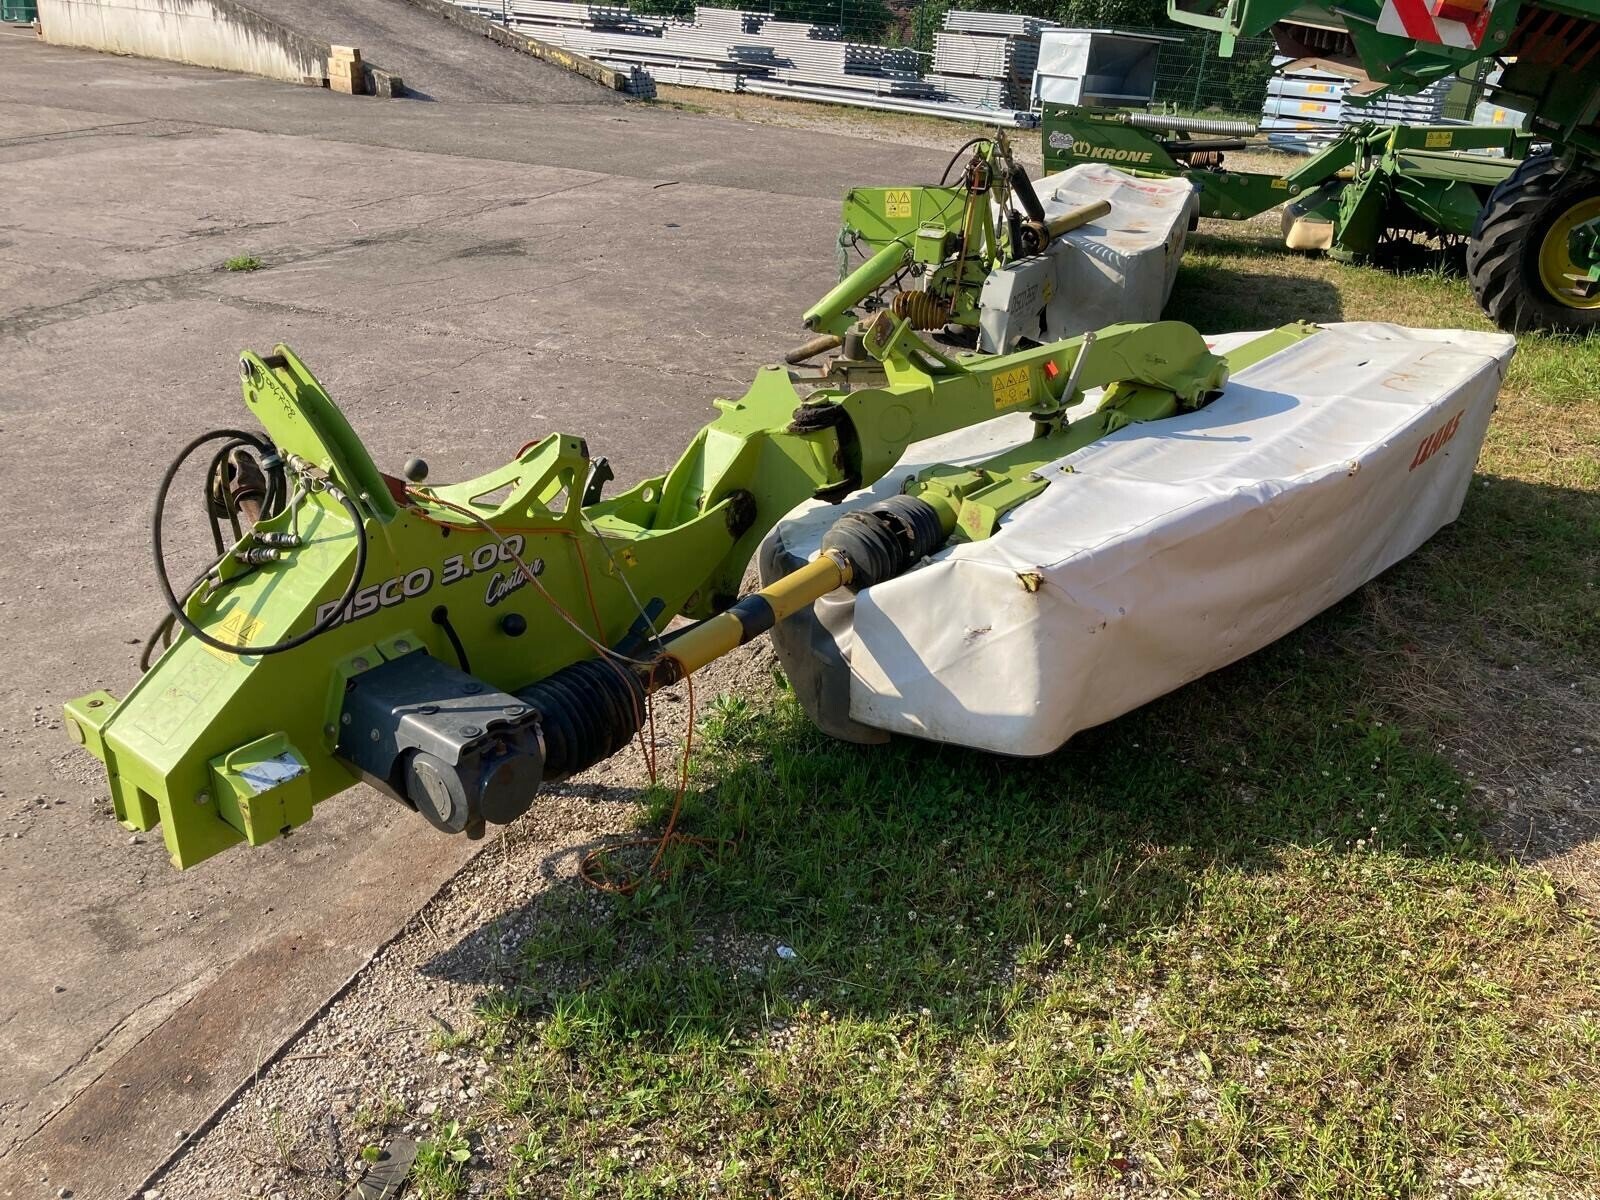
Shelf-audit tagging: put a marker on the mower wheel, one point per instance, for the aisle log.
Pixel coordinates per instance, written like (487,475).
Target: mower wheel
(1521,260)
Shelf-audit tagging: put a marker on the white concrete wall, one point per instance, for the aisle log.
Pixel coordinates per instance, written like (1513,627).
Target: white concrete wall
(207,33)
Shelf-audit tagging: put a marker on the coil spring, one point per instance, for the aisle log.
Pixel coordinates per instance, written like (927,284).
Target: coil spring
(922,309)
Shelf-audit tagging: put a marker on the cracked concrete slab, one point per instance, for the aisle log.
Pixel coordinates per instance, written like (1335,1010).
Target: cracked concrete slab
(463,278)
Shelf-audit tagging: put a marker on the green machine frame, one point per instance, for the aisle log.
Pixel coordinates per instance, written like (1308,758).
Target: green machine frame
(1533,251)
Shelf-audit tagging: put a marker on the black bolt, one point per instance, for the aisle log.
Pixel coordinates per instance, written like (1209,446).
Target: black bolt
(514,624)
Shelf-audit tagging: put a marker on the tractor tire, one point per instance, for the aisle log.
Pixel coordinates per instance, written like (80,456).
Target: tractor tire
(1504,254)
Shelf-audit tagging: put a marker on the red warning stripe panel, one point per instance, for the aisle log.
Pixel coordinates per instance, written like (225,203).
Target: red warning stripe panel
(1417,20)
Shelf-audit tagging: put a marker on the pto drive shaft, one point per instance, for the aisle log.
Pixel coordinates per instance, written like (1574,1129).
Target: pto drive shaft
(862,549)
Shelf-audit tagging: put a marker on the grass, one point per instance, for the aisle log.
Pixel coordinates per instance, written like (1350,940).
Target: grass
(439,1171)
(1261,938)
(242,262)
(1246,942)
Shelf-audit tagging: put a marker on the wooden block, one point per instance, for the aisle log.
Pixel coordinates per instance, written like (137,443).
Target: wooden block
(350,52)
(346,76)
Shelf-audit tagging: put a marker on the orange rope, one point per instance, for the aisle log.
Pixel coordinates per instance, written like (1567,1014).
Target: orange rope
(590,866)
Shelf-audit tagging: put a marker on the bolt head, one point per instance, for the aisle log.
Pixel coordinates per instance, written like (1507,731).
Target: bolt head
(358,664)
(373,735)
(402,645)
(470,731)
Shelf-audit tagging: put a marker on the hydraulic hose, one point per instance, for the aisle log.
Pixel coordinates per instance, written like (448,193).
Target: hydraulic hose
(175,606)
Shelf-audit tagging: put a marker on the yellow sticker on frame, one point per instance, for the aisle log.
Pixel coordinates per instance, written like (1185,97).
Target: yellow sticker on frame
(1011,388)
(897,202)
(238,628)
(1440,141)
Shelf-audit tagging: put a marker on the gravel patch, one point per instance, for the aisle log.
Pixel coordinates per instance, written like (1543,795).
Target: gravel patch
(385,1058)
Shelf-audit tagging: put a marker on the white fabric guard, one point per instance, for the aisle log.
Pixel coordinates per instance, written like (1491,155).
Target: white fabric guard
(1171,549)
(1118,267)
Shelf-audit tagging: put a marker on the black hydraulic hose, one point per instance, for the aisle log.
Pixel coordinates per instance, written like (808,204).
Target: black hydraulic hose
(1022,189)
(441,618)
(1193,146)
(175,607)
(163,632)
(956,157)
(216,474)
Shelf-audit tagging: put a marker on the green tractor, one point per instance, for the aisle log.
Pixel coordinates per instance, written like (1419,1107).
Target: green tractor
(1533,252)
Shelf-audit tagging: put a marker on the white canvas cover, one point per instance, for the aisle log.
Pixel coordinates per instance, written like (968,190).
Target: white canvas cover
(1171,550)
(1119,267)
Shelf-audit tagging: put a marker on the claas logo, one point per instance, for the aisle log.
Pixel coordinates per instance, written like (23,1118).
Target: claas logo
(1436,440)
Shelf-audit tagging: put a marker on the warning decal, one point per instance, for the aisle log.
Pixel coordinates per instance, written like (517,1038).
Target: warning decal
(1012,388)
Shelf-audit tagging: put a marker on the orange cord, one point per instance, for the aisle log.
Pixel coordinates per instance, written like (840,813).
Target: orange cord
(590,866)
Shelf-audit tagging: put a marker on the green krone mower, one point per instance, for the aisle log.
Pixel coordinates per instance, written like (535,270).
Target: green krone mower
(1373,185)
(1533,251)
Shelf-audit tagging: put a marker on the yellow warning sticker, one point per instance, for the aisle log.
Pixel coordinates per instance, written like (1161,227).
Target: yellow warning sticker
(1437,141)
(238,628)
(1280,184)
(1012,388)
(1320,89)
(1311,106)
(897,202)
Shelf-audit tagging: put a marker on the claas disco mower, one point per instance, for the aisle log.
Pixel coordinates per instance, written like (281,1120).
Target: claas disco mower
(459,646)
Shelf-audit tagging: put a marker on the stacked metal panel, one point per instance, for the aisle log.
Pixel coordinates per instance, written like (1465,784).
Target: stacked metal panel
(736,50)
(1499,116)
(1424,108)
(987,59)
(1304,109)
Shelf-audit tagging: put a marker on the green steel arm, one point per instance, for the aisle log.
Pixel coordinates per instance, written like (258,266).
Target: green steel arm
(832,313)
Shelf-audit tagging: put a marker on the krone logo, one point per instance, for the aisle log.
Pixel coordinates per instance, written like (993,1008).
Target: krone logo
(1083,149)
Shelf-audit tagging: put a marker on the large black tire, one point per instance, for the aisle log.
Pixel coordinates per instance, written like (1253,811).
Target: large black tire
(1503,255)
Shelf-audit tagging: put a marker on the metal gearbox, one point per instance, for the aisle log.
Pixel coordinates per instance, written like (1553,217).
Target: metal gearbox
(450,746)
